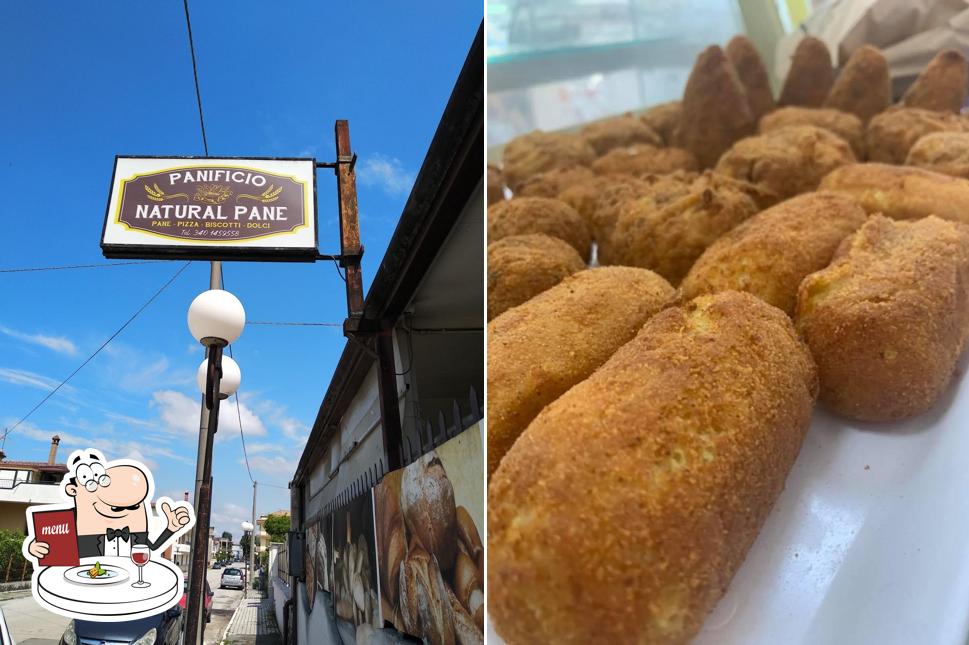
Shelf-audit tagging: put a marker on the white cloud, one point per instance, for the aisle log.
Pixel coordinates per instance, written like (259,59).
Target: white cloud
(55,343)
(228,517)
(28,379)
(276,465)
(387,173)
(180,414)
(31,431)
(257,448)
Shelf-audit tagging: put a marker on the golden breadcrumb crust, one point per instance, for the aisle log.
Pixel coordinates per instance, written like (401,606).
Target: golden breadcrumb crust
(811,75)
(524,215)
(619,131)
(941,85)
(888,319)
(847,126)
(496,185)
(552,182)
(753,76)
(891,134)
(540,349)
(944,152)
(663,119)
(627,505)
(522,266)
(535,152)
(771,253)
(644,159)
(787,161)
(668,236)
(715,109)
(863,87)
(901,192)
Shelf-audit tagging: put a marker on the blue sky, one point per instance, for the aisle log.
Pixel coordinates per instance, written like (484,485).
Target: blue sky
(83,82)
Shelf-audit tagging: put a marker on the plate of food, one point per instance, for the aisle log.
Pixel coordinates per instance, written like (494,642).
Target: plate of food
(738,416)
(96,574)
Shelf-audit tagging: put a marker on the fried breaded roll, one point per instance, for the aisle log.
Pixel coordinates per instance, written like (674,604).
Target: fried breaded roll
(750,70)
(772,252)
(715,109)
(552,182)
(627,505)
(941,85)
(663,119)
(584,195)
(617,132)
(539,151)
(496,185)
(888,319)
(901,192)
(522,266)
(944,152)
(644,159)
(847,126)
(864,87)
(668,235)
(540,349)
(524,215)
(891,134)
(811,75)
(787,161)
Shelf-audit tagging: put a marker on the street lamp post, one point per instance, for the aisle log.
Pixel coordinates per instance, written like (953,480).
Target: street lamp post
(248,527)
(215,318)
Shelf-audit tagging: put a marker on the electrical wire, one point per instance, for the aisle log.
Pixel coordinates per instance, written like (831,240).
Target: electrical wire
(195,73)
(97,351)
(77,266)
(295,324)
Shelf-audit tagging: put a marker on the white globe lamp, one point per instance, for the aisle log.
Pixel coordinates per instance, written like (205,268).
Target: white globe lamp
(231,377)
(216,317)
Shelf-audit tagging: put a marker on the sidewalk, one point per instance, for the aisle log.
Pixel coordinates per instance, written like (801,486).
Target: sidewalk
(253,623)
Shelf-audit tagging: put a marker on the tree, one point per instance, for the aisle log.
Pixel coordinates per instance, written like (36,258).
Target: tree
(276,526)
(244,543)
(227,536)
(223,555)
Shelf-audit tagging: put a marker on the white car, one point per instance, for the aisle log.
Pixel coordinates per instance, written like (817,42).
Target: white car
(233,577)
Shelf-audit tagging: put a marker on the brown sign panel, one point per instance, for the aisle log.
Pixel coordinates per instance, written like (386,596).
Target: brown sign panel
(212,208)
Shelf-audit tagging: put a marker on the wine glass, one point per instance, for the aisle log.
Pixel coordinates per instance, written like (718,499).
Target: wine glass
(139,555)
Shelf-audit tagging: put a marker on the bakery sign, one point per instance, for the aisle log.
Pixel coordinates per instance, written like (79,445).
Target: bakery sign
(211,208)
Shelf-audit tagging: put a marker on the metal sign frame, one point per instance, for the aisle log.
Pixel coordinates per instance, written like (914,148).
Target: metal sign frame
(211,252)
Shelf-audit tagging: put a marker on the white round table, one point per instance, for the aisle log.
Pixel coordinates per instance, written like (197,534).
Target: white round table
(112,602)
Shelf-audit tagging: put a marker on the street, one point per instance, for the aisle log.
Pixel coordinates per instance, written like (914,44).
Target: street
(31,625)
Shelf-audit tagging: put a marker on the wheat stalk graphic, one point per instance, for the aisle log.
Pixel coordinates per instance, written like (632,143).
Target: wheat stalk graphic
(158,195)
(267,196)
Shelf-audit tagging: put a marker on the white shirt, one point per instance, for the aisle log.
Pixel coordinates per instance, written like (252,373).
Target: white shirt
(118,546)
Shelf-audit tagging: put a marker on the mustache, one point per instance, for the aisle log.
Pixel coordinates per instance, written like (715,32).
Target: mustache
(118,509)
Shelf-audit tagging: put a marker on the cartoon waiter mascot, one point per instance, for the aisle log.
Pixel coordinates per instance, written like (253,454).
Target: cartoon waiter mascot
(106,513)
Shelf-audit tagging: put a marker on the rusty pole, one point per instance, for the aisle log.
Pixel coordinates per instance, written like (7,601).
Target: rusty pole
(350,247)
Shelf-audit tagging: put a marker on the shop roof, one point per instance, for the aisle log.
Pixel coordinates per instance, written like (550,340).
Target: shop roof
(452,169)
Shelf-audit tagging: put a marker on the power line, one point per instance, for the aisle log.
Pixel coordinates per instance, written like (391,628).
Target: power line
(195,73)
(97,351)
(295,324)
(76,266)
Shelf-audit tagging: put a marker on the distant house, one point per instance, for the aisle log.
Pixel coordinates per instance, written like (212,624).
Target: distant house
(262,537)
(23,483)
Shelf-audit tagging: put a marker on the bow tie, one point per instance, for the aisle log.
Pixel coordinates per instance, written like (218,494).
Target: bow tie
(124,534)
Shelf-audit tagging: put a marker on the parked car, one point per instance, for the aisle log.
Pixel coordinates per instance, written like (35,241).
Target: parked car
(208,599)
(217,565)
(233,577)
(161,629)
(5,637)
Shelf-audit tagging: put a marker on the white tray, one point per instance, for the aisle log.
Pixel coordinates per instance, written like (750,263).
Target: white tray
(868,543)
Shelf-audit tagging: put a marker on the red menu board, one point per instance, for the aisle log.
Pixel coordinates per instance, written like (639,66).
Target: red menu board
(57,529)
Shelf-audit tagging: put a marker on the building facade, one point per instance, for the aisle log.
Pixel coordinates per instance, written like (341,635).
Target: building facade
(410,376)
(23,483)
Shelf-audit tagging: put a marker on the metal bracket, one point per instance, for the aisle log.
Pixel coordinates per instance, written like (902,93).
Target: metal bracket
(351,160)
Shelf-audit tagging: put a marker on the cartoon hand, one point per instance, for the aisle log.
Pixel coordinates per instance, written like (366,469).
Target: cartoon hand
(38,549)
(177,518)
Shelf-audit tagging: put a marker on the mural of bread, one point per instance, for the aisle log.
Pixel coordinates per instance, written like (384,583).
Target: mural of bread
(469,587)
(424,603)
(465,630)
(623,511)
(391,535)
(469,537)
(427,502)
